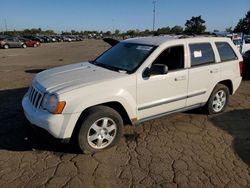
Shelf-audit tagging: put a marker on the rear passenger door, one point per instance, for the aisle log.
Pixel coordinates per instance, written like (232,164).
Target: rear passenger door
(204,72)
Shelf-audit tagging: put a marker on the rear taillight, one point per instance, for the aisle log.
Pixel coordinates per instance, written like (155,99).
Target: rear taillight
(241,66)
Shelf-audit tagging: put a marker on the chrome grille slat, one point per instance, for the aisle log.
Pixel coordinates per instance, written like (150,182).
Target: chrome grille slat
(35,97)
(31,93)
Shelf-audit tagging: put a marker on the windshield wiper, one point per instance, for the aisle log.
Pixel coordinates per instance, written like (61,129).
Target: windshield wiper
(104,65)
(109,67)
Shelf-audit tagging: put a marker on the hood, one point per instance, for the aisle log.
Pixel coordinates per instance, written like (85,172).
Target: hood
(66,78)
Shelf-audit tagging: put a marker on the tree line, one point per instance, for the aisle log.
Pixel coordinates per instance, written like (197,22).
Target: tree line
(195,25)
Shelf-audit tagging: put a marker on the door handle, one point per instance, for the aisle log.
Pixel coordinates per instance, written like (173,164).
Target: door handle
(179,78)
(214,71)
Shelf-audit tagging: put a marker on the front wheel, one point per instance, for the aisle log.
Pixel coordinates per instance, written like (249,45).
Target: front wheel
(6,46)
(218,99)
(101,129)
(24,46)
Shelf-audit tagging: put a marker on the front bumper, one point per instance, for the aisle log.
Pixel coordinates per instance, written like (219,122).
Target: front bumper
(58,125)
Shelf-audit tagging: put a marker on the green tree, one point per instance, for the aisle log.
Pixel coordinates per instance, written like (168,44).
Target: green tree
(108,33)
(195,25)
(117,32)
(229,29)
(164,30)
(243,24)
(131,32)
(177,29)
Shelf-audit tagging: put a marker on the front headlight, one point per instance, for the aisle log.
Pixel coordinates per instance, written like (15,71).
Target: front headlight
(51,104)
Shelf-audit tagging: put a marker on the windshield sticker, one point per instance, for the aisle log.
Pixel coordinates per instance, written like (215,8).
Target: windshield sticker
(197,54)
(146,48)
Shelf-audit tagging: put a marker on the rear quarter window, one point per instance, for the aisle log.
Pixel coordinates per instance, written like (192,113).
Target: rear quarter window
(201,53)
(226,52)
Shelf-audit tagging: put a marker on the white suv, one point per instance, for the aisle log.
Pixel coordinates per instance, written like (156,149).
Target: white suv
(136,80)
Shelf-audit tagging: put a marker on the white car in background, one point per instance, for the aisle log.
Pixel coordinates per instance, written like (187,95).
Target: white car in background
(136,80)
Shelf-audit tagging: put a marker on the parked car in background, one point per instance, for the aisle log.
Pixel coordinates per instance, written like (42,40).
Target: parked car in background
(46,38)
(30,43)
(67,39)
(246,65)
(53,38)
(12,42)
(34,38)
(59,38)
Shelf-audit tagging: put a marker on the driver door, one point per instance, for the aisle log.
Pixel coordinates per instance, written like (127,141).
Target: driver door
(160,94)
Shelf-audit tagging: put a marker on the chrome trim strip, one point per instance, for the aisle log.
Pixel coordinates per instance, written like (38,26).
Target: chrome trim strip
(166,101)
(171,112)
(161,102)
(196,94)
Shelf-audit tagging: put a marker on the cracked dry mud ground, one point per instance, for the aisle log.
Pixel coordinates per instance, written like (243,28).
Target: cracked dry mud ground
(184,149)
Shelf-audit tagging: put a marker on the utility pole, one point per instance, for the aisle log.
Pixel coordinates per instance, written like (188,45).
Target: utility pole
(5,23)
(154,2)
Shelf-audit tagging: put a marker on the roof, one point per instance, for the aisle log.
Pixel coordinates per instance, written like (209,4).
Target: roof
(158,40)
(155,41)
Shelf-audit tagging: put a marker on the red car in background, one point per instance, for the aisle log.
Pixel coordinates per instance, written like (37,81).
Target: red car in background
(30,43)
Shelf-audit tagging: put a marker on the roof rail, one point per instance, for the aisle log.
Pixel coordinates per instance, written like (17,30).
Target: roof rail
(196,35)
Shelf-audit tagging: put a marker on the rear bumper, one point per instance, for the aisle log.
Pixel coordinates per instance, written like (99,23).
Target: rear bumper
(58,125)
(236,83)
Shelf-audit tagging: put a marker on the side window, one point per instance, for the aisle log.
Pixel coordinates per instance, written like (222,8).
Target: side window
(173,57)
(226,52)
(10,39)
(201,53)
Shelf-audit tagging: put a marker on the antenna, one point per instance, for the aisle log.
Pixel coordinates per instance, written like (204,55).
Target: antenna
(154,2)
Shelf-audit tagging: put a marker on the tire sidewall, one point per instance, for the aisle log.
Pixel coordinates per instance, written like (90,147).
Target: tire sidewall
(24,46)
(210,102)
(93,115)
(6,46)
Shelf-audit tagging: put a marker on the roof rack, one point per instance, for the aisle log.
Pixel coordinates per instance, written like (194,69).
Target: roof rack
(195,35)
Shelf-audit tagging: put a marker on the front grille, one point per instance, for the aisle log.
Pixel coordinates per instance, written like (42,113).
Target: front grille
(35,97)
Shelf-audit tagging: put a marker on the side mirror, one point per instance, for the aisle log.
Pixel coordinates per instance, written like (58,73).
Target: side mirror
(156,69)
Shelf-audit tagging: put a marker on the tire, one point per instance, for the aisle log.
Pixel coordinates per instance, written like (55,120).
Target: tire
(218,99)
(35,45)
(6,46)
(24,46)
(101,129)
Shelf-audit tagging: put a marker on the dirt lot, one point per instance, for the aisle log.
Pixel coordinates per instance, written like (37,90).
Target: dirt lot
(181,150)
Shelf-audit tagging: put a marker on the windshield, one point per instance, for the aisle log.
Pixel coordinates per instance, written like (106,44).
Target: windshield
(124,56)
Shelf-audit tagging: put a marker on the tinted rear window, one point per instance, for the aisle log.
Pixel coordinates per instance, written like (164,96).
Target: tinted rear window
(226,52)
(201,53)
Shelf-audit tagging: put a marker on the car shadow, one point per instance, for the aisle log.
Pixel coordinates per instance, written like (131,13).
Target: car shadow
(34,71)
(237,124)
(16,133)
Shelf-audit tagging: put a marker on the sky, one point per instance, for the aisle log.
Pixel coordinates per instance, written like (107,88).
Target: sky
(104,15)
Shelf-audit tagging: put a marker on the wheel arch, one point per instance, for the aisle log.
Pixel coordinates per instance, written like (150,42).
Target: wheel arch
(229,85)
(114,105)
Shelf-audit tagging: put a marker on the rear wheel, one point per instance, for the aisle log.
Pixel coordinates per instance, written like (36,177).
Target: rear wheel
(101,129)
(218,99)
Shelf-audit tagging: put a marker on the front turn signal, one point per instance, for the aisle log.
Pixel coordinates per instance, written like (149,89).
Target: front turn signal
(59,108)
